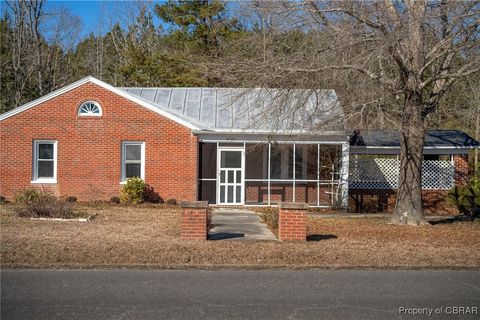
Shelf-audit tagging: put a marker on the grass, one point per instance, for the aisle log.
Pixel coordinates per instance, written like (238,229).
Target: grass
(149,236)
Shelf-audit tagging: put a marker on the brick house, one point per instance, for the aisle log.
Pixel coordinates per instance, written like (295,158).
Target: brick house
(228,146)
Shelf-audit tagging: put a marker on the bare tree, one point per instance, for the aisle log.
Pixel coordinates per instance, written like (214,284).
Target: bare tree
(407,54)
(38,42)
(470,114)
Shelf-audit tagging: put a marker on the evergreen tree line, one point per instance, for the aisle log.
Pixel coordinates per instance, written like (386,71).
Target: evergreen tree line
(196,44)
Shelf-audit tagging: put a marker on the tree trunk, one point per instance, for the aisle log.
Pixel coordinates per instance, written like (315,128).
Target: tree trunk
(408,208)
(477,137)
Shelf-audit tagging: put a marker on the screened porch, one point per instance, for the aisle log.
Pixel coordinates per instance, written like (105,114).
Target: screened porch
(266,173)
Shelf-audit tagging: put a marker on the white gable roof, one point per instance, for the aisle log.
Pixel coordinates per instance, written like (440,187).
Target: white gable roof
(131,97)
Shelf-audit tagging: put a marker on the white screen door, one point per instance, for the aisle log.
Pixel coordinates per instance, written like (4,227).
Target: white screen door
(230,176)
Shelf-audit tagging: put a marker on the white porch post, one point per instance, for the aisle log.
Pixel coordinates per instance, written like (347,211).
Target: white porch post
(269,161)
(293,195)
(344,174)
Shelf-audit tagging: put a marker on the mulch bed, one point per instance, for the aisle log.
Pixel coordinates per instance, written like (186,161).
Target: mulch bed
(149,236)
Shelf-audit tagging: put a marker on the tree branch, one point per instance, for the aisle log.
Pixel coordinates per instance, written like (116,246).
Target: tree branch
(374,76)
(460,73)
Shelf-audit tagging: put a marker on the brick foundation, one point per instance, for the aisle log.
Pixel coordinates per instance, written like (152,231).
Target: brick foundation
(369,200)
(257,192)
(194,220)
(292,221)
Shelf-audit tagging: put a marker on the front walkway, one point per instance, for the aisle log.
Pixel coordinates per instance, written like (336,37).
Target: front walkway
(238,224)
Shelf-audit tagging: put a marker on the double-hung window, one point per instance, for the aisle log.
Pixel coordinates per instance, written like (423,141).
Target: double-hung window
(44,161)
(133,159)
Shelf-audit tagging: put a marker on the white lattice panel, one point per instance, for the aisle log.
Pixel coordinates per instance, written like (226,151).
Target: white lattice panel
(374,173)
(382,173)
(438,174)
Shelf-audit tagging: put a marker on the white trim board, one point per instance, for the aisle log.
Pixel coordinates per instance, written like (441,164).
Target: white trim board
(131,97)
(396,150)
(425,147)
(273,142)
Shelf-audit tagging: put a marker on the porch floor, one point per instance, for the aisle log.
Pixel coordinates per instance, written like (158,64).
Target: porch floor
(238,224)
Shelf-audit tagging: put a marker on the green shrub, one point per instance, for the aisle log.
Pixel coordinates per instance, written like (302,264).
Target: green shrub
(466,198)
(3,200)
(270,217)
(30,194)
(72,199)
(43,204)
(115,199)
(171,202)
(133,192)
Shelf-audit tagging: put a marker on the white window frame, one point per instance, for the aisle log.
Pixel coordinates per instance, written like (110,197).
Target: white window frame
(90,114)
(35,178)
(123,179)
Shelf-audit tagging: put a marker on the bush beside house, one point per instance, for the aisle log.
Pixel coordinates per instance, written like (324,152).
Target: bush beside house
(136,191)
(34,203)
(466,198)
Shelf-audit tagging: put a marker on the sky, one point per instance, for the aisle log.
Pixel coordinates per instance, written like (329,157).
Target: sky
(96,15)
(90,12)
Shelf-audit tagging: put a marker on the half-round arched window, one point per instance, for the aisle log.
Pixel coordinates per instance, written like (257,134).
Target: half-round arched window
(90,108)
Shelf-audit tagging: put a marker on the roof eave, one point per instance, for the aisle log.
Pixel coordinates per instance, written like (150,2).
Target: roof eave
(254,131)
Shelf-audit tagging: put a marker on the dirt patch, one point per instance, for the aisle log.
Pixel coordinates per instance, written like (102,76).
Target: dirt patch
(149,236)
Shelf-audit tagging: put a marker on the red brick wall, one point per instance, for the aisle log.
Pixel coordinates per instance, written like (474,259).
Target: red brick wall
(89,148)
(461,169)
(362,200)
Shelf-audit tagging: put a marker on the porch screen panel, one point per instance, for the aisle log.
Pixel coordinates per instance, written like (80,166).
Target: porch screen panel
(306,173)
(330,164)
(300,164)
(311,152)
(276,162)
(208,160)
(207,191)
(281,162)
(281,173)
(256,173)
(207,172)
(256,161)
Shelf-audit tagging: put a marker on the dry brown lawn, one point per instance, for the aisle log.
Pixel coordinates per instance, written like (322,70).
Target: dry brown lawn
(150,237)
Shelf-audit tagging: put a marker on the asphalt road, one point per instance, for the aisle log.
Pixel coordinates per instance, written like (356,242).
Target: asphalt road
(237,294)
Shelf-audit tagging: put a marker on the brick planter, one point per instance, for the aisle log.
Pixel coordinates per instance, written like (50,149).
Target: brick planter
(292,221)
(194,220)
